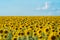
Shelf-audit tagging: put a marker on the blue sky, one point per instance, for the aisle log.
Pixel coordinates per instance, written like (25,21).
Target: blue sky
(29,7)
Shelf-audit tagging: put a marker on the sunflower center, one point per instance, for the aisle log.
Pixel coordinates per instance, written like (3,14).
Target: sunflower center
(53,37)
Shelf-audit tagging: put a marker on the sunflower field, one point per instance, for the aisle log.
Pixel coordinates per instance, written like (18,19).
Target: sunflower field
(29,27)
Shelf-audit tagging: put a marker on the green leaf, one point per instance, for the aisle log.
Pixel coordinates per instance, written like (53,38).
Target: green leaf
(24,38)
(35,38)
(19,38)
(9,36)
(30,38)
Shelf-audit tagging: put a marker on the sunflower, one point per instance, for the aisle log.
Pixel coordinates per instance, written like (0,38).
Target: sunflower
(1,26)
(58,28)
(13,28)
(6,31)
(1,38)
(5,36)
(30,26)
(52,36)
(1,31)
(27,32)
(14,38)
(40,38)
(46,31)
(39,32)
(16,33)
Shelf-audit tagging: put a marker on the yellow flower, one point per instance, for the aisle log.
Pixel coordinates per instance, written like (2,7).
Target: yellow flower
(39,32)
(0,37)
(38,23)
(5,36)
(27,32)
(14,38)
(1,31)
(46,31)
(52,36)
(6,31)
(1,26)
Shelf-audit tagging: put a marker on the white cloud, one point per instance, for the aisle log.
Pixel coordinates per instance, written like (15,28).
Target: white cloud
(44,7)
